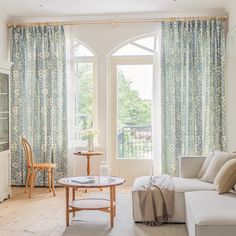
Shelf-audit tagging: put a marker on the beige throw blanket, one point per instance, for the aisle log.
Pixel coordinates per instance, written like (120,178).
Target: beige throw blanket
(157,200)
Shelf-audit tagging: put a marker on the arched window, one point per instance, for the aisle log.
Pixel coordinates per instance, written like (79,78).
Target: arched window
(85,67)
(140,47)
(82,51)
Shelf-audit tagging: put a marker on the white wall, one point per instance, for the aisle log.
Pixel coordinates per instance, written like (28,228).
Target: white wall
(3,37)
(231,83)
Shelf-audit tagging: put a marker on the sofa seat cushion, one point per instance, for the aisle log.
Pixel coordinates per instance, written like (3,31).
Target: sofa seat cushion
(187,185)
(211,208)
(140,182)
(181,185)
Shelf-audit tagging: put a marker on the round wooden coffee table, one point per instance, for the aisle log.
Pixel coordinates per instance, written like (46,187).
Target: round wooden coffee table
(101,204)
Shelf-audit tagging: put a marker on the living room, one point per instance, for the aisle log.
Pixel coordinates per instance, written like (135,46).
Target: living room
(117,117)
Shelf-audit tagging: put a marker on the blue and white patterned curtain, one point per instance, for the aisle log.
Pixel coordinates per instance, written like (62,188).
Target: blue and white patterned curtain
(193,90)
(38,99)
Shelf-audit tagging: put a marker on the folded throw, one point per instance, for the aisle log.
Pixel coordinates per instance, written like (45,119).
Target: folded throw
(157,200)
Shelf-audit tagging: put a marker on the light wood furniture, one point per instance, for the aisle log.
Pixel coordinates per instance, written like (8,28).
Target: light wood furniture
(100,204)
(33,168)
(5,157)
(88,155)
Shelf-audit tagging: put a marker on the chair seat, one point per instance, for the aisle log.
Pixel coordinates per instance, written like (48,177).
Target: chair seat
(45,165)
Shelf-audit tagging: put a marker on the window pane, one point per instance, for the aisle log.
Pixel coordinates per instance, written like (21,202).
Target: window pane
(82,51)
(134,111)
(131,50)
(144,46)
(84,98)
(147,42)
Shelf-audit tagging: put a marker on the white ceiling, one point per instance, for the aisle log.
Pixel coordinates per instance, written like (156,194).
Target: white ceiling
(86,7)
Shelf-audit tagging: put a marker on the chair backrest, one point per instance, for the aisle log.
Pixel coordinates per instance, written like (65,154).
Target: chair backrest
(28,152)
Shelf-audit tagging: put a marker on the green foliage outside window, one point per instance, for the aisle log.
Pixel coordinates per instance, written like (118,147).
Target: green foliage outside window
(134,121)
(84,98)
(132,110)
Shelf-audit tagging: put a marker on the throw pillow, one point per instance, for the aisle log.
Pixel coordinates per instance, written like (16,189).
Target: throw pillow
(226,178)
(206,163)
(218,160)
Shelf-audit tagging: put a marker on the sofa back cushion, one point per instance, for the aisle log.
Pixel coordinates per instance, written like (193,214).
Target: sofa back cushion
(226,177)
(205,165)
(217,161)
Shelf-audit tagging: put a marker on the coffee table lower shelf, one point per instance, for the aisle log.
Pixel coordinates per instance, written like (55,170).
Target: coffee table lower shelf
(91,204)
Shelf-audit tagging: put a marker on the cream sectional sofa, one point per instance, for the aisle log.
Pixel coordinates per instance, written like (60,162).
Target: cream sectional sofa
(210,214)
(190,193)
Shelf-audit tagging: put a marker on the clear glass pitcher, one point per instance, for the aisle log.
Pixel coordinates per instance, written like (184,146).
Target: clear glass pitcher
(104,170)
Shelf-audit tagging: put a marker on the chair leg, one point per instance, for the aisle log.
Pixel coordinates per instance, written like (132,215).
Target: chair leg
(27,180)
(49,180)
(32,179)
(52,178)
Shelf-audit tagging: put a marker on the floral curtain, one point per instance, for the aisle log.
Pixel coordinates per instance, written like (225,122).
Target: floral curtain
(192,90)
(38,99)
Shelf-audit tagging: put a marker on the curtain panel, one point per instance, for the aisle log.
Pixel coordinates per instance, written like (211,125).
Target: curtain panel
(38,99)
(192,90)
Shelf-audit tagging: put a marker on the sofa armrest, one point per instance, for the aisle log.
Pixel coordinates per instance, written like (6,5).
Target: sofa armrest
(190,166)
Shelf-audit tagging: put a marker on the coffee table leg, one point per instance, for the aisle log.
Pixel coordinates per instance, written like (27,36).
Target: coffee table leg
(67,206)
(73,198)
(111,206)
(114,197)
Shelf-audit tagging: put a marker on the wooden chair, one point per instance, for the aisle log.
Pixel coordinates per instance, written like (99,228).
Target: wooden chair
(33,168)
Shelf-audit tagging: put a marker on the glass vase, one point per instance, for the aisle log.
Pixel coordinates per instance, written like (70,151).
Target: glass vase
(90,145)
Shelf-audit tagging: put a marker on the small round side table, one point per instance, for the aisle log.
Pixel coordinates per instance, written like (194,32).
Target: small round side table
(88,155)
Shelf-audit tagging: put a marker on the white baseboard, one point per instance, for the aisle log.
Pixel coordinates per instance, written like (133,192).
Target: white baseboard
(4,196)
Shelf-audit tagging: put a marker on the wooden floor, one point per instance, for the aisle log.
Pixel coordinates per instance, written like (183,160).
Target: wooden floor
(41,215)
(44,215)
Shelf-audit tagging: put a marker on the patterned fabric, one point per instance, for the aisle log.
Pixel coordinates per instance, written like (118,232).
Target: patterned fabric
(193,90)
(38,99)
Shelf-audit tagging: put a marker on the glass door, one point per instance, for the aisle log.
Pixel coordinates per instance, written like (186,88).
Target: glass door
(134,111)
(131,117)
(4,112)
(133,133)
